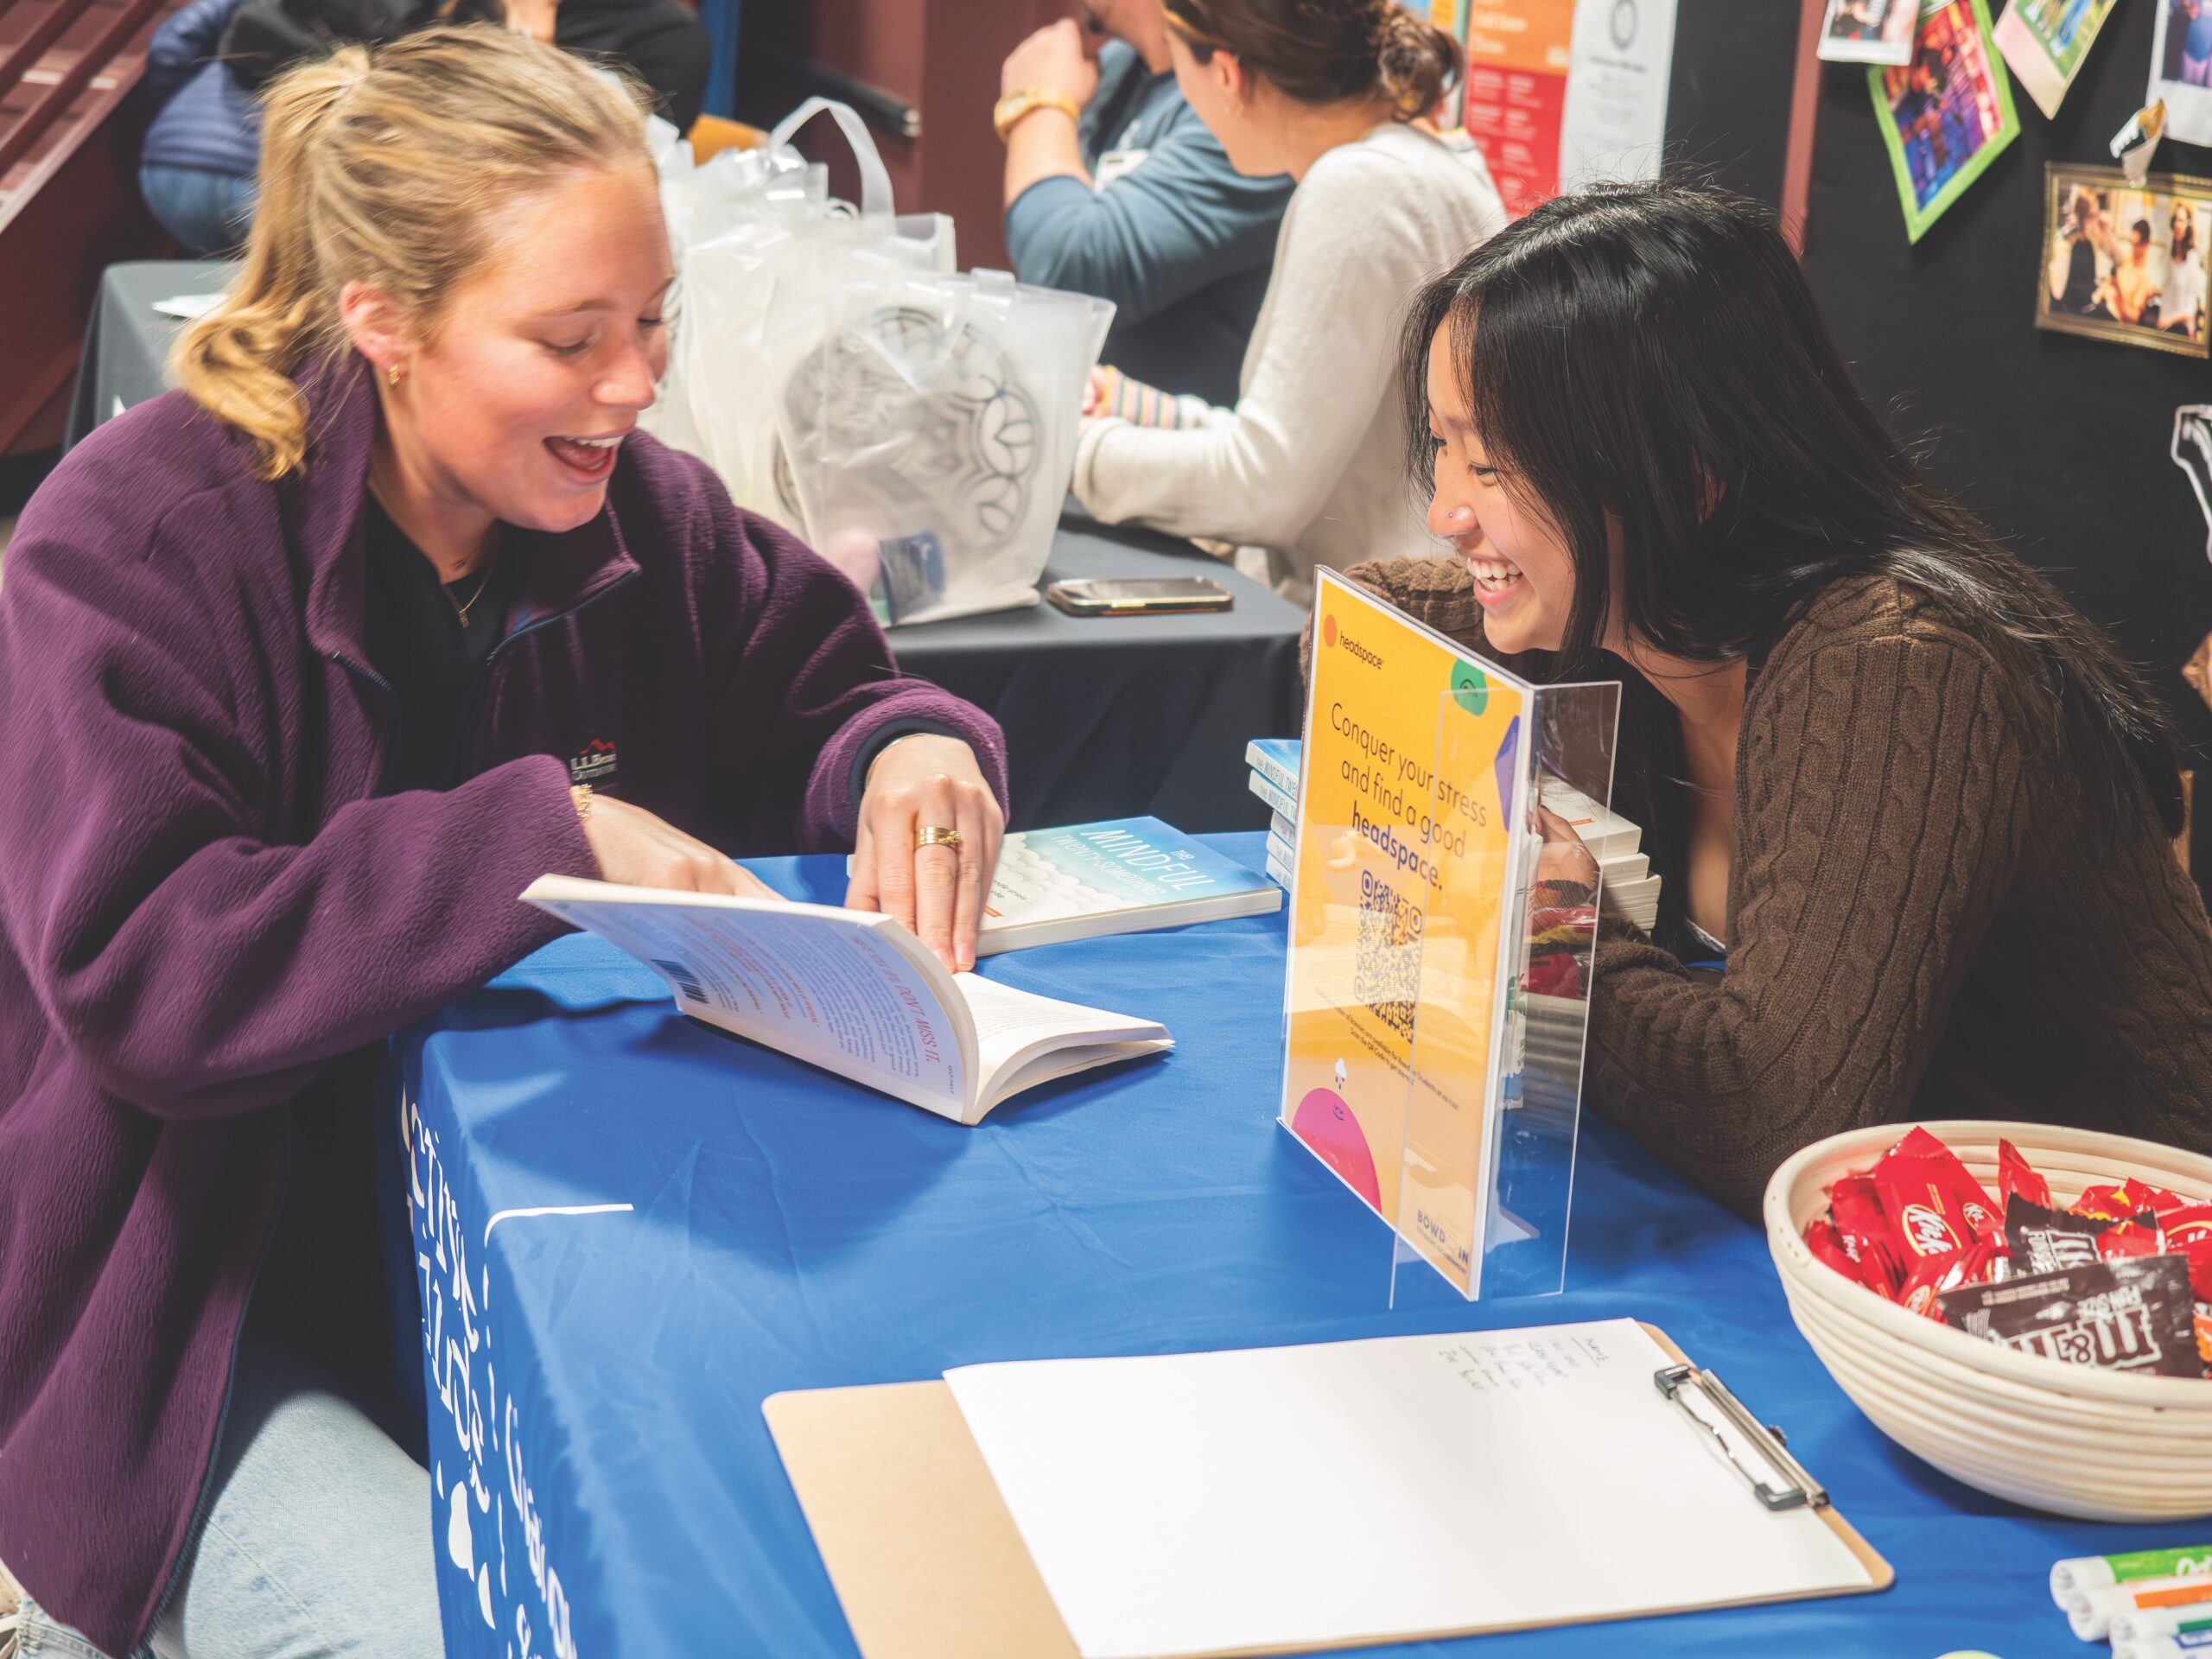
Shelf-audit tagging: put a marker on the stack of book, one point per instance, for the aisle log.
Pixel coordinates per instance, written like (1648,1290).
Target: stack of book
(1273,761)
(1630,891)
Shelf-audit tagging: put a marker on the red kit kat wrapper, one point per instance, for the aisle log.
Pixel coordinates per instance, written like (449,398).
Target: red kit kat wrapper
(2016,1175)
(2126,1201)
(1859,1218)
(1830,1246)
(2130,1238)
(1931,1200)
(2188,1233)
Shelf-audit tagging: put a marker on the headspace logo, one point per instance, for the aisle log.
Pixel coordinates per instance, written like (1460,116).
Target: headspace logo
(1331,636)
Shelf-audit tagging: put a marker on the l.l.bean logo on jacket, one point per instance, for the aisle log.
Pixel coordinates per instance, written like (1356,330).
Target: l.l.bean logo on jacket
(594,762)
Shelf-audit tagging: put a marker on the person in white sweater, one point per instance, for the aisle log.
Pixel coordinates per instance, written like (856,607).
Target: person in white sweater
(1309,467)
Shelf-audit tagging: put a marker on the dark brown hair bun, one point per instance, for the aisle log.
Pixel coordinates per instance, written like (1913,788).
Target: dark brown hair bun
(1327,51)
(1414,61)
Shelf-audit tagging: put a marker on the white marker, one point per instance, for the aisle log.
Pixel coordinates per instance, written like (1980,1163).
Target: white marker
(2092,1615)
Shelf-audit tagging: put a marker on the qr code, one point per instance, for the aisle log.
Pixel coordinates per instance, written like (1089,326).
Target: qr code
(1386,963)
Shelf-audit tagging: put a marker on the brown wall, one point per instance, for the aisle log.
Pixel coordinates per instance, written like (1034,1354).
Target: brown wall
(942,56)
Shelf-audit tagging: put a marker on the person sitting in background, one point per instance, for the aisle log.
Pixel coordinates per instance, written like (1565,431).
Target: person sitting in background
(315,649)
(1921,804)
(196,169)
(1113,187)
(207,64)
(1307,468)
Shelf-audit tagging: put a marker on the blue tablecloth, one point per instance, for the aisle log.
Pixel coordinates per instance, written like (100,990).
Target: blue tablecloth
(596,1374)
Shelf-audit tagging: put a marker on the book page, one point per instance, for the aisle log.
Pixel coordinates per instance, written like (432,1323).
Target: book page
(1007,1021)
(1291,1498)
(826,986)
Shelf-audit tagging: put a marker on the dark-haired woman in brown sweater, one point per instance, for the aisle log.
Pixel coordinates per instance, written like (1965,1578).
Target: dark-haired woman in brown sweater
(1920,804)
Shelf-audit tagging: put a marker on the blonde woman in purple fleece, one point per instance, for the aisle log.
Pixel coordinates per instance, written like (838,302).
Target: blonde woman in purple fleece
(305,670)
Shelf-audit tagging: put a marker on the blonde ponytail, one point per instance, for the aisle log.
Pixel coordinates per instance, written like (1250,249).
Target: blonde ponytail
(394,167)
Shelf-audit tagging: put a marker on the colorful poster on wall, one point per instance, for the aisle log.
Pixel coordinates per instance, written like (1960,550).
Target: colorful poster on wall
(2181,68)
(1868,31)
(1375,824)
(1518,54)
(1946,115)
(2123,260)
(2046,40)
(1449,16)
(1614,124)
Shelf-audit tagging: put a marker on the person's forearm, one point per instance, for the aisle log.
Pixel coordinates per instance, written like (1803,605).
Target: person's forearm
(1042,145)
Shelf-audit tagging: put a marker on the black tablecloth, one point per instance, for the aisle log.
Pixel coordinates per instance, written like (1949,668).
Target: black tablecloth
(127,343)
(1104,717)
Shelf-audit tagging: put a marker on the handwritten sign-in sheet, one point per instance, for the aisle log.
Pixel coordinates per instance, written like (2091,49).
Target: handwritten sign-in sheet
(1298,1497)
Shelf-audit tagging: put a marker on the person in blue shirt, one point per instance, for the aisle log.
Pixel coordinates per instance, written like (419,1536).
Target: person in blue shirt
(198,168)
(1113,187)
(203,148)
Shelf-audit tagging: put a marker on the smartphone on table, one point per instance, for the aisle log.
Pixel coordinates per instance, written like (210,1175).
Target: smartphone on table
(1147,596)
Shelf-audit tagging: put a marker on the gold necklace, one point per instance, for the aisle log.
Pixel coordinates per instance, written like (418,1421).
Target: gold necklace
(461,610)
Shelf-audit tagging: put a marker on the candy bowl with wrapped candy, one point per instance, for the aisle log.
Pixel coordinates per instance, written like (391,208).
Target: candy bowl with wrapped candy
(2027,1308)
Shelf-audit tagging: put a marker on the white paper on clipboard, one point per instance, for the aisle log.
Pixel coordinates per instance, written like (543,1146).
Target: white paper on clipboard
(1294,1497)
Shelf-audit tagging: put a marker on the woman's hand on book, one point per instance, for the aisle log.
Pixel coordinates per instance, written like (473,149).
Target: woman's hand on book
(1563,858)
(927,781)
(638,850)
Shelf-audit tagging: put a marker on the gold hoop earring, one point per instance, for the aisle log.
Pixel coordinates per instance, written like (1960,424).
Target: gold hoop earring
(391,375)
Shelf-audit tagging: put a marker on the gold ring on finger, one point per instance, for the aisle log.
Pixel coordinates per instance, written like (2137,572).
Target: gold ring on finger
(930,836)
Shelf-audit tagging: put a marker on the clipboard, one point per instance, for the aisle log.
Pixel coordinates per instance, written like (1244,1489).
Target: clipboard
(928,1564)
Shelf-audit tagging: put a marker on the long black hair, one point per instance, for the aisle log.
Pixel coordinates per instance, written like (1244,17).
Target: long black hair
(1630,350)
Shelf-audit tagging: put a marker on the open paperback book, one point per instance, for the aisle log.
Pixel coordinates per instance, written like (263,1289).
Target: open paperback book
(853,993)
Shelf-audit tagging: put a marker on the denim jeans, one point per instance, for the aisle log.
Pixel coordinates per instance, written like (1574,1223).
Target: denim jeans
(316,1545)
(207,212)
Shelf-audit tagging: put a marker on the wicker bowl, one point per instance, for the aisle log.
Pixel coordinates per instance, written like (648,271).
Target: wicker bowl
(2073,1440)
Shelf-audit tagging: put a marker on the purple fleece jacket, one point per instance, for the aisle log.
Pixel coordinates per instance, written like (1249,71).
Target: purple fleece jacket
(205,901)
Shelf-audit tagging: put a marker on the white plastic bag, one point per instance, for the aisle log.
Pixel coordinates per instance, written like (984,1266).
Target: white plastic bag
(927,424)
(736,226)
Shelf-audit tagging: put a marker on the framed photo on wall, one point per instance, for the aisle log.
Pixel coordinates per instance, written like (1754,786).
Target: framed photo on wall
(1948,113)
(2125,262)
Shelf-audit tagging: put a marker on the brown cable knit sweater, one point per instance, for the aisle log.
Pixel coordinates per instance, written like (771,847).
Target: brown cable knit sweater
(1925,920)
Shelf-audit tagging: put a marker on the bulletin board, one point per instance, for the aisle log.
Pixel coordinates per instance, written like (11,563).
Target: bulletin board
(2059,443)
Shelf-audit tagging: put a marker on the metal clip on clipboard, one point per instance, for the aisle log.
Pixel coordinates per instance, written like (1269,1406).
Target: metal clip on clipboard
(1677,1381)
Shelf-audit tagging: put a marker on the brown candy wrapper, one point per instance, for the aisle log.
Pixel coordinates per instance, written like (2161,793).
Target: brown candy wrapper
(2131,1314)
(1932,1275)
(2044,1240)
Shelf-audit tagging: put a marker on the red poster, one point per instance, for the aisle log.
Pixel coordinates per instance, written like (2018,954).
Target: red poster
(1516,92)
(1513,114)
